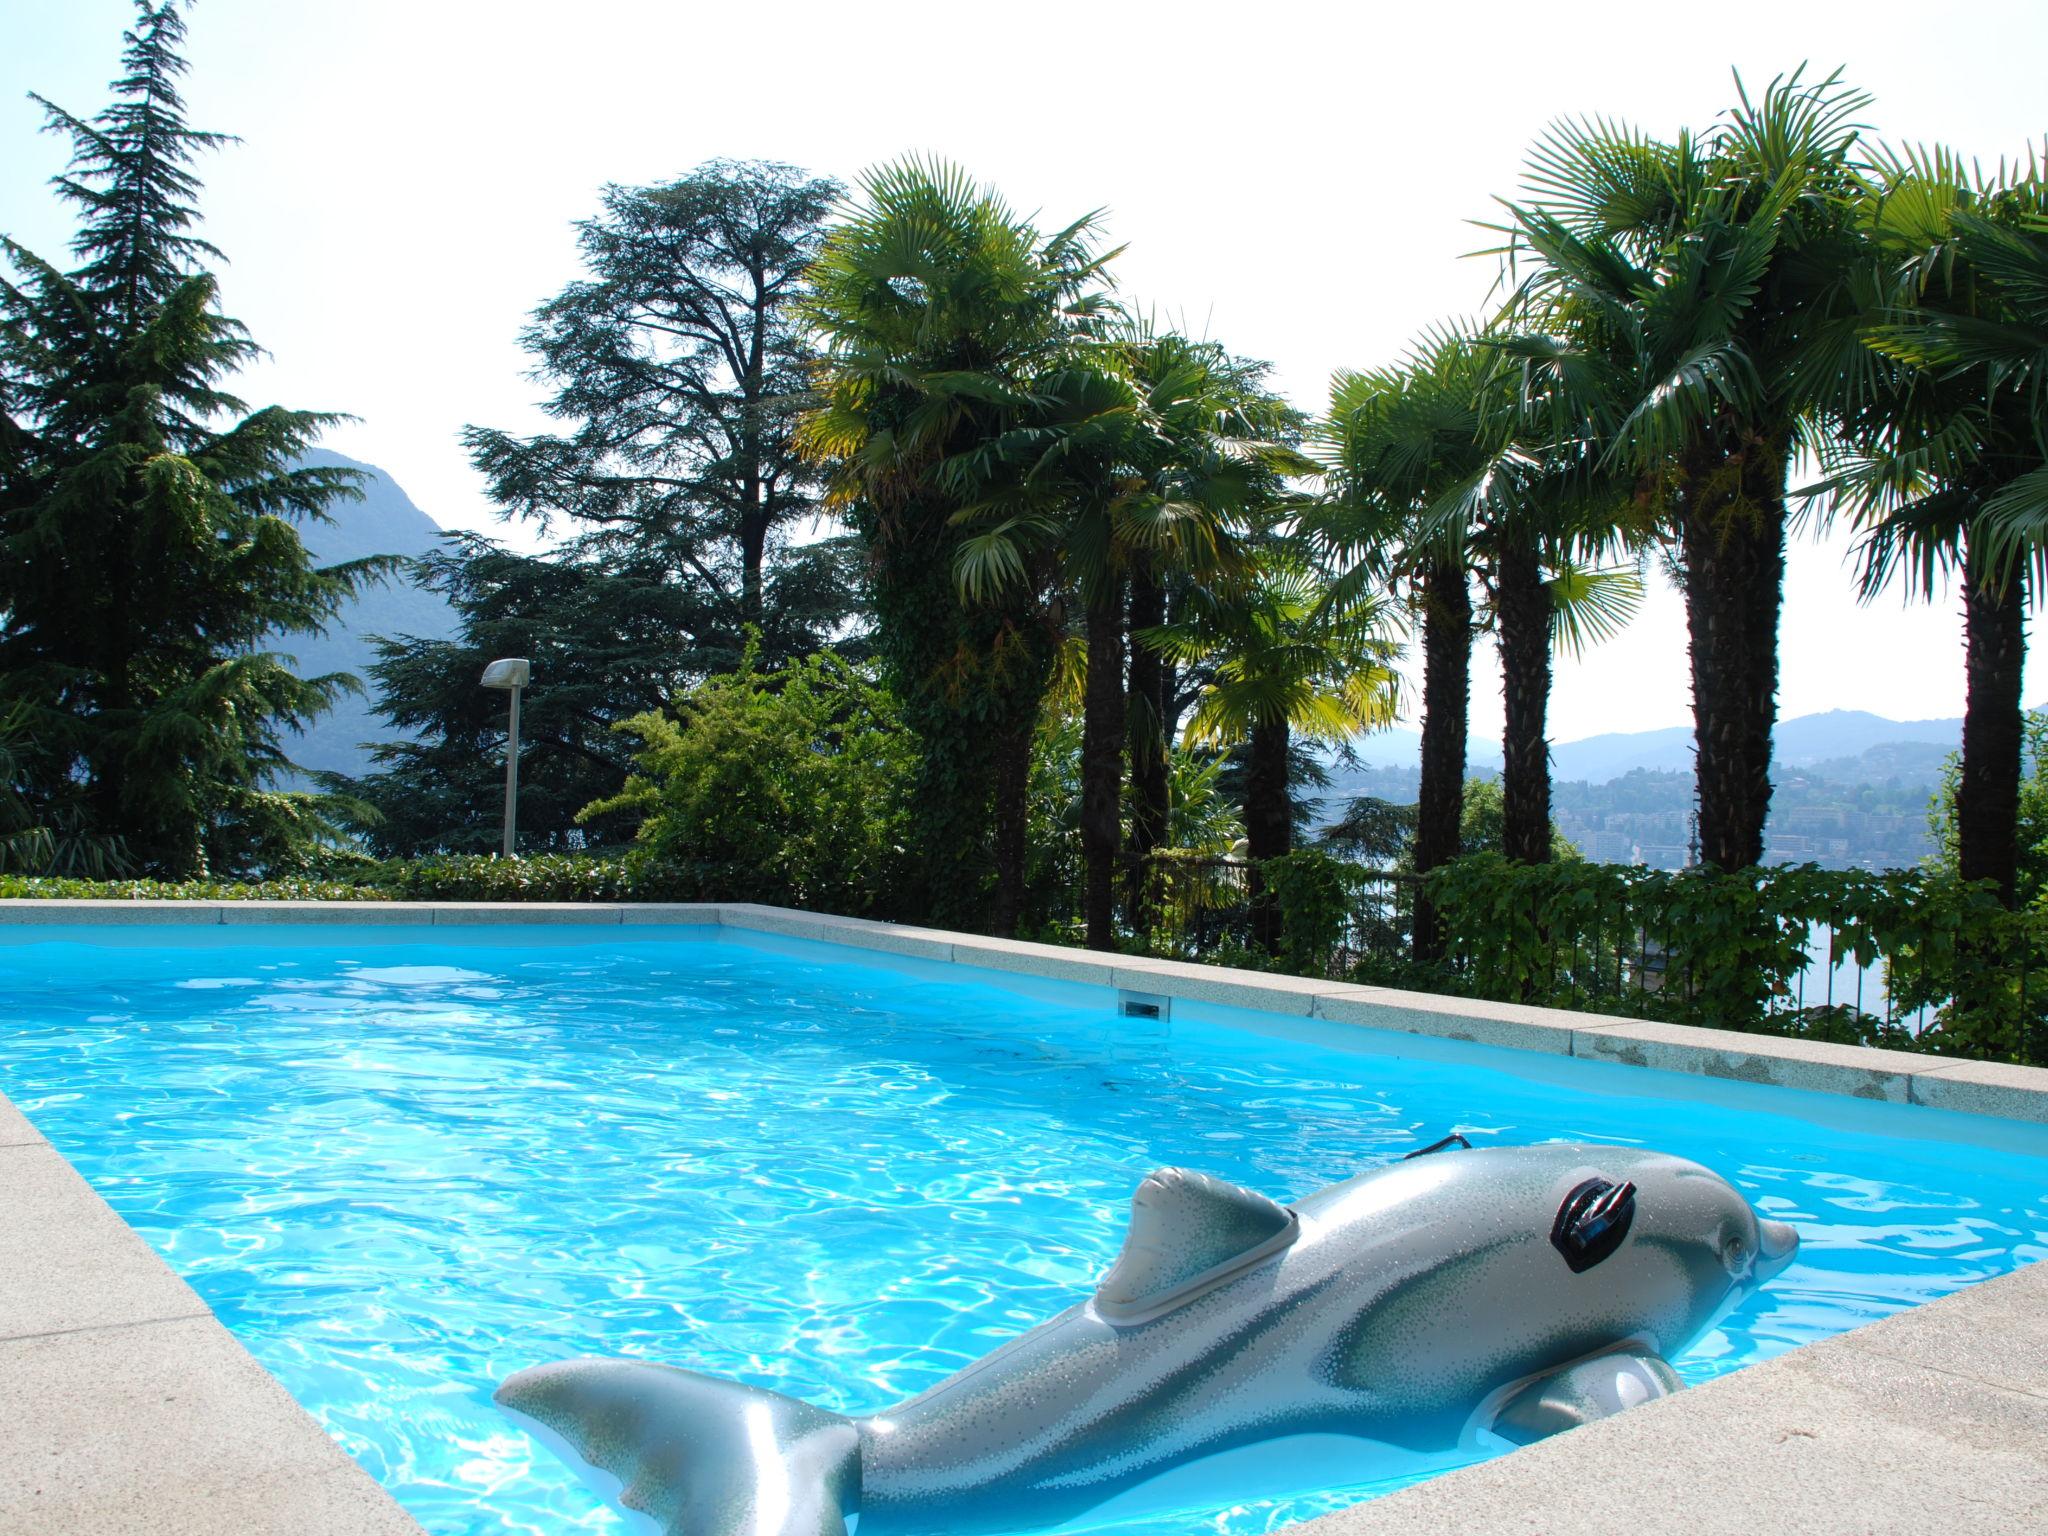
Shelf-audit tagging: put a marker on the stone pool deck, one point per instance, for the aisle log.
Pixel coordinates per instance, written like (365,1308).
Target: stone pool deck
(124,1404)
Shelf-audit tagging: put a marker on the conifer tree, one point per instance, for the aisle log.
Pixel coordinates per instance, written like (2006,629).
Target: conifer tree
(679,369)
(149,558)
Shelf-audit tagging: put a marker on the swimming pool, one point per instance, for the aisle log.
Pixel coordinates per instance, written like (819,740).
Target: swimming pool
(401,1164)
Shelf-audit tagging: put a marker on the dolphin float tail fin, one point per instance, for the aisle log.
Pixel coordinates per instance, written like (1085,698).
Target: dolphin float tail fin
(696,1455)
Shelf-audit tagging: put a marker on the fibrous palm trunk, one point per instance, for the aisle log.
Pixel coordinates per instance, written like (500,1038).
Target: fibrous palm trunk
(1147,727)
(1268,822)
(1988,798)
(1012,819)
(1732,542)
(1102,762)
(1446,707)
(1523,602)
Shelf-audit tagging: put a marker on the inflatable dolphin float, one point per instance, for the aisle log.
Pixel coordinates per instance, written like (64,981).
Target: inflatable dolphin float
(1418,1315)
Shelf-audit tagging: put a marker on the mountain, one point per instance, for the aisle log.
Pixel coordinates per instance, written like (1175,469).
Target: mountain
(1851,745)
(384,522)
(1398,748)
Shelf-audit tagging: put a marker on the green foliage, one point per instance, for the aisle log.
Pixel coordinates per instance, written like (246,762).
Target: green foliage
(786,787)
(1316,894)
(943,314)
(679,369)
(66,888)
(607,642)
(1482,822)
(1381,833)
(2032,832)
(1731,951)
(149,553)
(534,877)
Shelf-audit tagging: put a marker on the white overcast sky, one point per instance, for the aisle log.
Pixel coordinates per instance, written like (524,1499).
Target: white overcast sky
(1295,180)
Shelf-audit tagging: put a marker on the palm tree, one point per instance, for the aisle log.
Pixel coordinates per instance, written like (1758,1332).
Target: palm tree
(1545,518)
(1944,459)
(1450,466)
(1135,459)
(941,313)
(1709,284)
(1290,658)
(1395,441)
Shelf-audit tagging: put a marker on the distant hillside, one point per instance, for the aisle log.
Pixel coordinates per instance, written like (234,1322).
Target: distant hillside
(1847,745)
(384,522)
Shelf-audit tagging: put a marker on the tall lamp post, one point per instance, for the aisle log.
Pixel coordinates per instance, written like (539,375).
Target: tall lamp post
(510,674)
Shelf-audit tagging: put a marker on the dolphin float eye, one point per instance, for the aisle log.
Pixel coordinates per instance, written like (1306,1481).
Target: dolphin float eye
(1592,1222)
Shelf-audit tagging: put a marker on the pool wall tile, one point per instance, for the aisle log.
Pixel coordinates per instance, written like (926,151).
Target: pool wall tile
(684,913)
(860,932)
(1981,1088)
(493,913)
(1449,1018)
(1222,985)
(127,913)
(1056,961)
(1861,1071)
(253,913)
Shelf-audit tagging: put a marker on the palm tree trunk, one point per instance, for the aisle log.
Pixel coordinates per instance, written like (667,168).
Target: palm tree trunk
(1524,605)
(1446,709)
(1268,823)
(1102,762)
(1012,818)
(1732,540)
(1147,724)
(1988,798)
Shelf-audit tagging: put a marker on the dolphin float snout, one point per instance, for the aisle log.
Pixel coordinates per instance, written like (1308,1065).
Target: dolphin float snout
(1777,1247)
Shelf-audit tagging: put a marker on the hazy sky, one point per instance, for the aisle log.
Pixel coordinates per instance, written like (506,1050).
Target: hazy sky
(1295,180)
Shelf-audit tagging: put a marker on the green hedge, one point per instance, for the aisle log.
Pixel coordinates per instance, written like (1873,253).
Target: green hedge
(54,888)
(1730,951)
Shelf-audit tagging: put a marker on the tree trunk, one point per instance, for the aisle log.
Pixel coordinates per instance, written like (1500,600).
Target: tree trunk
(1988,798)
(753,553)
(1268,823)
(1012,817)
(1102,762)
(1446,705)
(1150,808)
(1732,541)
(1523,604)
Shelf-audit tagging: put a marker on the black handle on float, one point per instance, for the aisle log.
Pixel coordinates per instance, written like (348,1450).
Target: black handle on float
(1452,1140)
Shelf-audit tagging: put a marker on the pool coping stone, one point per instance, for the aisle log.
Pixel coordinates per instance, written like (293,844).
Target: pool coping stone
(1934,1419)
(125,1404)
(1939,1413)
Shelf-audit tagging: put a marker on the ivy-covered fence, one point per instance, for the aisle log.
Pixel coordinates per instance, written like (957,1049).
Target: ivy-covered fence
(1901,958)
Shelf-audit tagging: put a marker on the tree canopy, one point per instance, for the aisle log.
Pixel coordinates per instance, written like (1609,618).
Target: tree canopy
(151,571)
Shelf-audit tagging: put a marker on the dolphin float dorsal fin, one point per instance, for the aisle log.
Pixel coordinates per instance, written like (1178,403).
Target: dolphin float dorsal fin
(1188,1232)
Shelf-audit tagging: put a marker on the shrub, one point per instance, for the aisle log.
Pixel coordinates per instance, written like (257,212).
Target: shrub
(785,787)
(1731,950)
(49,888)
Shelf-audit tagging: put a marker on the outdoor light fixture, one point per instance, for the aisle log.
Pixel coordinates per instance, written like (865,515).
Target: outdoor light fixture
(510,673)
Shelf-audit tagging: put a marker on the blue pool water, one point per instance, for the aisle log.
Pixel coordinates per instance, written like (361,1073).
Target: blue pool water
(401,1166)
